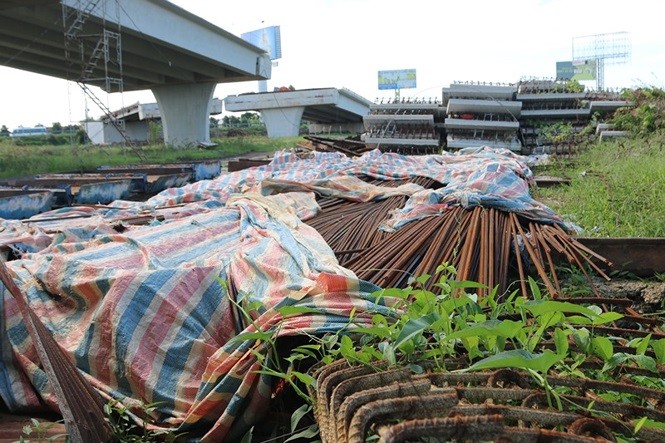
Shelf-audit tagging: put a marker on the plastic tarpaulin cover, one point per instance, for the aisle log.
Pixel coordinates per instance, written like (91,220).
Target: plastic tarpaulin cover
(148,315)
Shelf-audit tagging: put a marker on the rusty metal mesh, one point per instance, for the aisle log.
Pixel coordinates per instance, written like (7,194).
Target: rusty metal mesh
(504,405)
(393,403)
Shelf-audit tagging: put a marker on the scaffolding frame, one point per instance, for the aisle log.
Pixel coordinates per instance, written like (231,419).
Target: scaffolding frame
(97,53)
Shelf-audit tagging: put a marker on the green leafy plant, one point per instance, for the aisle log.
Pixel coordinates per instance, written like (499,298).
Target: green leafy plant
(125,427)
(36,431)
(429,330)
(648,114)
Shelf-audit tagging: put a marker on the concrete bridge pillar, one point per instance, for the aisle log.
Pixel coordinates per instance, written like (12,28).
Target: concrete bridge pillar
(282,122)
(185,111)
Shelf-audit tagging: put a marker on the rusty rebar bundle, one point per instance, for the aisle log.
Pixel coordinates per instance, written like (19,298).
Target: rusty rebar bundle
(486,245)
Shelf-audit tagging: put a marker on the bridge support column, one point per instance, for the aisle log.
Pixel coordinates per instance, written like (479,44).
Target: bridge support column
(282,122)
(185,111)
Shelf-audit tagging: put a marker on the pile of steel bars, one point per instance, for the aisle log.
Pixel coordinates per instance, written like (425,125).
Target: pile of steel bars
(351,227)
(348,146)
(485,245)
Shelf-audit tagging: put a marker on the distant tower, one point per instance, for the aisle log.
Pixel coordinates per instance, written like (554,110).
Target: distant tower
(612,48)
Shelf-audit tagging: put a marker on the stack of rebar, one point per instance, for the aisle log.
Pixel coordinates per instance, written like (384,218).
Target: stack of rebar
(350,228)
(485,245)
(348,146)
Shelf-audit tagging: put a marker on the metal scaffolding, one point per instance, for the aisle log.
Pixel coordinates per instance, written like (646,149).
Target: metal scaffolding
(100,53)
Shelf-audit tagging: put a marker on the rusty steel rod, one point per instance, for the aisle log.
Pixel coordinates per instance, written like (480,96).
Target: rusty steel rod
(485,245)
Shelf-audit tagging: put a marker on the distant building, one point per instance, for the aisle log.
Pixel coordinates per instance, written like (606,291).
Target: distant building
(133,120)
(27,132)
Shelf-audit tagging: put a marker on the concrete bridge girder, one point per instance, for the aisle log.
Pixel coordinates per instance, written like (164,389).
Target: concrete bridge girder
(164,48)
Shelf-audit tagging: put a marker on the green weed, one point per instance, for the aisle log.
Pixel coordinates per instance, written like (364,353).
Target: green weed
(616,189)
(125,429)
(427,330)
(36,432)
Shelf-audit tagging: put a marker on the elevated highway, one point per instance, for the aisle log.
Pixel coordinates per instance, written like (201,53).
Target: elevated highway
(283,111)
(126,45)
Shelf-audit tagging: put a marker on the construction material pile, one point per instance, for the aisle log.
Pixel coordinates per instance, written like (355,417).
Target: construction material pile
(348,146)
(145,298)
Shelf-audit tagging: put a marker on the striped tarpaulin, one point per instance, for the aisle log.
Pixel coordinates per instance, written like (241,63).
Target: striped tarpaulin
(148,314)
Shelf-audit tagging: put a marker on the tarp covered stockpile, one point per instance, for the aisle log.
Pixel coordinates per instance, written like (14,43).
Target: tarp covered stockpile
(144,297)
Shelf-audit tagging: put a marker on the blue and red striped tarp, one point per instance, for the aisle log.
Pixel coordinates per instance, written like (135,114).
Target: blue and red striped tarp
(148,314)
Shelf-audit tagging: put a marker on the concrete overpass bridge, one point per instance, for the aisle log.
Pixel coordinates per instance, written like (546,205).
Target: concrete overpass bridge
(127,45)
(282,111)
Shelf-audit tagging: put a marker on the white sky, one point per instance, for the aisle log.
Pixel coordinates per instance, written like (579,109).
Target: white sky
(344,43)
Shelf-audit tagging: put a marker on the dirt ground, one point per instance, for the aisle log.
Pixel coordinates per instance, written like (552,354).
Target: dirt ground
(647,293)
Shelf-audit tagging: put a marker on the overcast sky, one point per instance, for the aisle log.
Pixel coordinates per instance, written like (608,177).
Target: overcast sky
(344,43)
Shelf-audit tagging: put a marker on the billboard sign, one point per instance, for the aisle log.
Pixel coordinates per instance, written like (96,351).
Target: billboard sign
(397,79)
(565,70)
(576,70)
(268,39)
(584,69)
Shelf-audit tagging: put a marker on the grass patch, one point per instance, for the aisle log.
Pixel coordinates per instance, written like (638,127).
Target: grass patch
(617,188)
(20,161)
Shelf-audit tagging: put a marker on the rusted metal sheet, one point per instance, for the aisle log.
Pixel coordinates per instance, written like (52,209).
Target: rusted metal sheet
(348,146)
(146,169)
(206,170)
(19,204)
(139,180)
(158,177)
(545,181)
(102,192)
(245,163)
(110,184)
(84,188)
(60,180)
(643,257)
(200,170)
